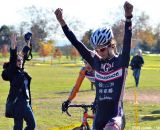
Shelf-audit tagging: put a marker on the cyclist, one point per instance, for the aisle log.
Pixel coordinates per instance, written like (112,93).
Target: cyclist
(86,71)
(110,69)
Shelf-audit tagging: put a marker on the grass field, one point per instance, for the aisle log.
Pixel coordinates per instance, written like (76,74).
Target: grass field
(51,85)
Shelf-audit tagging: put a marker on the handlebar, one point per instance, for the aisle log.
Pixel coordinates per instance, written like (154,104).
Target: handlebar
(85,107)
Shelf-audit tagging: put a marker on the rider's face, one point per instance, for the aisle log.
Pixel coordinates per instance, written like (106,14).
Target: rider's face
(105,51)
(102,51)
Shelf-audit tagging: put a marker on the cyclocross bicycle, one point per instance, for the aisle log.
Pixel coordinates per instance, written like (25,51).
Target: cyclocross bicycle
(84,125)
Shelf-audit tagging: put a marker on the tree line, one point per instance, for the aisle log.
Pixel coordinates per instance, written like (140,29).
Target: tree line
(44,28)
(145,36)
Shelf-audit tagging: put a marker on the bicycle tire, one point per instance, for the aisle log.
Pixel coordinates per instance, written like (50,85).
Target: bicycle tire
(85,128)
(81,128)
(77,128)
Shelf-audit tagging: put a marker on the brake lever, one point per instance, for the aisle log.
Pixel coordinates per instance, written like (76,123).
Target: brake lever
(68,113)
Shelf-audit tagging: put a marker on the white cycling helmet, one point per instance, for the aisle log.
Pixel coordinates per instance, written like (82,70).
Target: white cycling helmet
(101,36)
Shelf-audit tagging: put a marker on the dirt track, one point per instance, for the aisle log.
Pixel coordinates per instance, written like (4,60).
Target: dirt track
(142,96)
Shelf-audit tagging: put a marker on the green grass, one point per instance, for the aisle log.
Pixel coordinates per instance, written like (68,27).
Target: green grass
(51,85)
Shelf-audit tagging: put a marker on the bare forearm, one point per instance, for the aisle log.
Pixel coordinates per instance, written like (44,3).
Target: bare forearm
(62,22)
(13,41)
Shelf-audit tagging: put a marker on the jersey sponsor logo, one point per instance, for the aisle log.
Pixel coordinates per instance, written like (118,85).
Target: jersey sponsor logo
(105,91)
(108,77)
(105,85)
(105,97)
(107,66)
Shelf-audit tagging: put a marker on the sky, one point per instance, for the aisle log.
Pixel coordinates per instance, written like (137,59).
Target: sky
(91,12)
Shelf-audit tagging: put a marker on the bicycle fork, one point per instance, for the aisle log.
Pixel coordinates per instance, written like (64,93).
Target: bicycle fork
(85,125)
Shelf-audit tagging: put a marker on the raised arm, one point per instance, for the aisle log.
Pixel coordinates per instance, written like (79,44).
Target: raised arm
(82,49)
(74,90)
(128,8)
(13,56)
(77,85)
(13,41)
(13,51)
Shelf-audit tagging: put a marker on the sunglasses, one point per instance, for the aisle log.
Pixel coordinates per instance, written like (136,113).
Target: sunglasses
(103,49)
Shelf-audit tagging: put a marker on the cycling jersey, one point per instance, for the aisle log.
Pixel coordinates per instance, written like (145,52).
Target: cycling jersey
(90,75)
(82,74)
(110,75)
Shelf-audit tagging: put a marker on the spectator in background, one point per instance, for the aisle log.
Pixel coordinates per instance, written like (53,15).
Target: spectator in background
(136,64)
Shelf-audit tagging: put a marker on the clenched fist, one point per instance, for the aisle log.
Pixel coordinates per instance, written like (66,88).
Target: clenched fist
(128,8)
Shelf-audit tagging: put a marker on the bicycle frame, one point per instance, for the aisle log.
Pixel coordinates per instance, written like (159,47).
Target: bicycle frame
(85,124)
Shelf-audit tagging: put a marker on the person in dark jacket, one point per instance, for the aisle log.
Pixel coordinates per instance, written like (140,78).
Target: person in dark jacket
(136,64)
(19,87)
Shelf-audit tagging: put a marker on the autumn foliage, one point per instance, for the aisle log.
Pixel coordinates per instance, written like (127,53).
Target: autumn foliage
(45,49)
(147,36)
(4,50)
(74,53)
(57,53)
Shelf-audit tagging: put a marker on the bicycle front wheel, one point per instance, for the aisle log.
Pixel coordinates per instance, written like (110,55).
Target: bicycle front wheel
(77,128)
(81,128)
